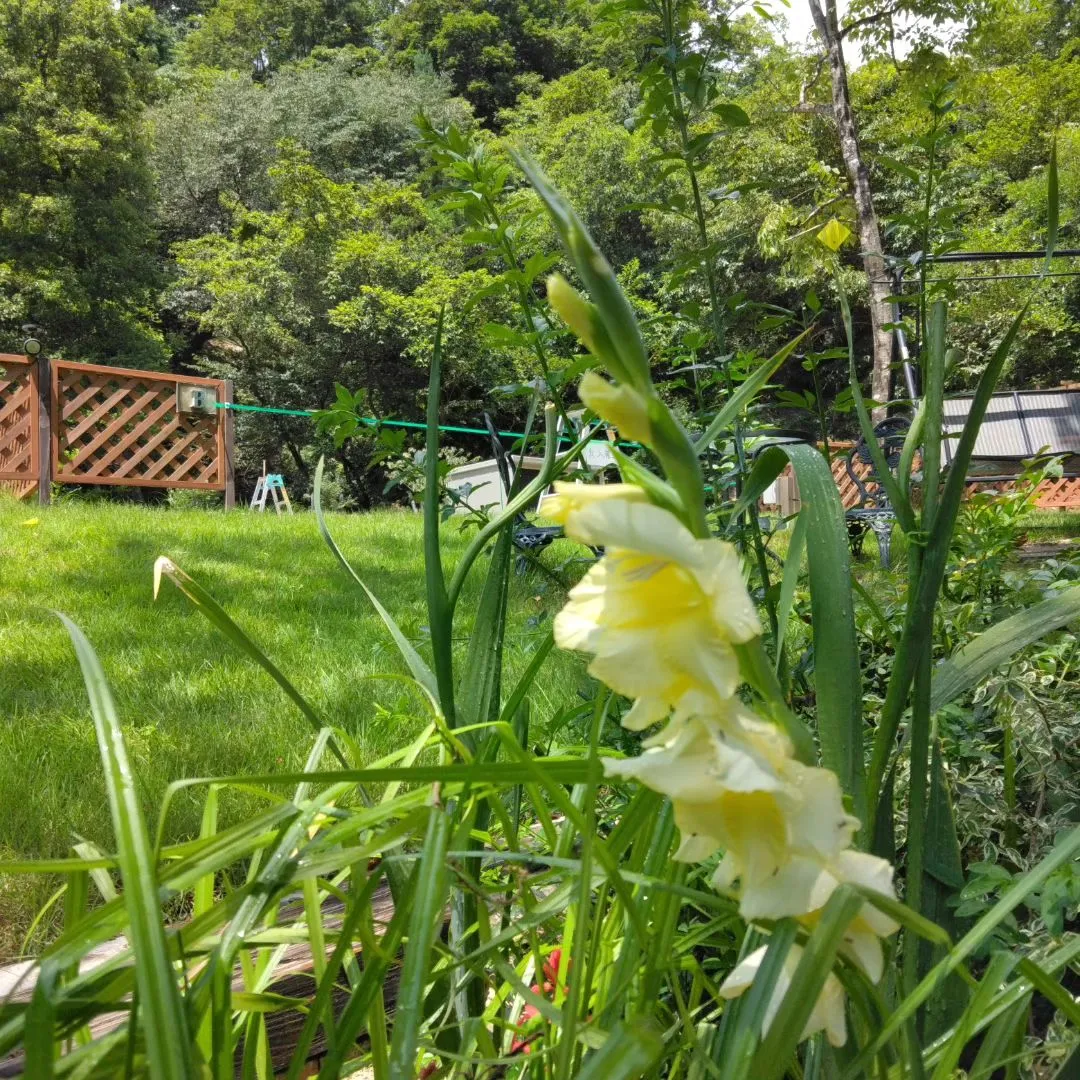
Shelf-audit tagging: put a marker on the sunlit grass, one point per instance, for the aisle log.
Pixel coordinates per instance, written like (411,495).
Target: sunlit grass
(189,703)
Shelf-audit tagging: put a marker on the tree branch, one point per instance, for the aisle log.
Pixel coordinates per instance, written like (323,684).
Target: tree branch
(866,20)
(809,84)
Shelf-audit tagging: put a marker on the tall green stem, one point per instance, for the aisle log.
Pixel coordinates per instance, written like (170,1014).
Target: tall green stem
(715,308)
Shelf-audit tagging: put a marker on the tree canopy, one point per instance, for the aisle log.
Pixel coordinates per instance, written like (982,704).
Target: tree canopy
(166,201)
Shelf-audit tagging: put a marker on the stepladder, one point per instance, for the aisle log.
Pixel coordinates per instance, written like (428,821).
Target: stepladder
(268,486)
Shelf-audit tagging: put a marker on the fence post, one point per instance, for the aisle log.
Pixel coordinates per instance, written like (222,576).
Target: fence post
(787,492)
(230,460)
(45,450)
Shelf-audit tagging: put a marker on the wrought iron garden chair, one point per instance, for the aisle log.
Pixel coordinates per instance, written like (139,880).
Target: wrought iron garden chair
(874,510)
(527,537)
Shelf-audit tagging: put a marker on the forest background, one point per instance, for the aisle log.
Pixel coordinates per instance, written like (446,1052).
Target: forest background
(238,187)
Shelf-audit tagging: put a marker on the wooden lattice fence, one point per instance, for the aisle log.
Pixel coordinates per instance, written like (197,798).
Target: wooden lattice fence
(70,423)
(1060,494)
(18,424)
(117,426)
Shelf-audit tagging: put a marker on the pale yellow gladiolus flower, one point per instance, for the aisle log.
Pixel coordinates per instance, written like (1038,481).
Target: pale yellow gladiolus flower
(659,612)
(621,406)
(734,787)
(802,887)
(828,1012)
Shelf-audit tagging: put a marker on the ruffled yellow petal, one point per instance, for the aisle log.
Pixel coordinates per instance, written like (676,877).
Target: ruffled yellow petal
(724,789)
(570,499)
(802,886)
(661,609)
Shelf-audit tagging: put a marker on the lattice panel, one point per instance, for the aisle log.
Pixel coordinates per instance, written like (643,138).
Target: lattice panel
(18,420)
(20,489)
(1062,494)
(115,427)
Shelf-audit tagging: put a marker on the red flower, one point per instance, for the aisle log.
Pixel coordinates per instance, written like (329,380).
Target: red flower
(550,970)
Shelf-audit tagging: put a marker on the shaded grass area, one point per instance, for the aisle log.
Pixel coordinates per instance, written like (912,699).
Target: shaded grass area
(1046,525)
(189,703)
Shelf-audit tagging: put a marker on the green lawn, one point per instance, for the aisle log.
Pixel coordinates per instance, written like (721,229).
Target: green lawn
(190,704)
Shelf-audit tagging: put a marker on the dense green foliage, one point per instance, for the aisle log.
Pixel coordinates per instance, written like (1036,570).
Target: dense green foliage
(161,203)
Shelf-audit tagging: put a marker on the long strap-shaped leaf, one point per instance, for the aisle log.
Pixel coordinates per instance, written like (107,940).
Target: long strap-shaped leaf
(627,1053)
(427,902)
(165,567)
(994,647)
(730,410)
(168,1045)
(1065,851)
(836,654)
(920,612)
(440,610)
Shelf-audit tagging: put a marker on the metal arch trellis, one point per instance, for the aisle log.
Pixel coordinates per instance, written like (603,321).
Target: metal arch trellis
(910,374)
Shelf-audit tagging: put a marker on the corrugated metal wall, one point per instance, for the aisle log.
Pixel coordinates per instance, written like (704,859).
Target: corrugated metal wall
(1018,424)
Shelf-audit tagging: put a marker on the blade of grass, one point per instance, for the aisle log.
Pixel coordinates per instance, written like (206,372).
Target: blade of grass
(419,669)
(440,610)
(1015,895)
(319,1009)
(819,953)
(627,1053)
(997,1041)
(168,1046)
(750,388)
(920,612)
(165,567)
(997,971)
(742,1034)
(427,902)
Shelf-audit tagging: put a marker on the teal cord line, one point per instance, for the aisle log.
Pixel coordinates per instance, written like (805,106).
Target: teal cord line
(372,422)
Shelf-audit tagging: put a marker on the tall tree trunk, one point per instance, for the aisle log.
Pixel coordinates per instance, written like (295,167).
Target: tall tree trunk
(881,313)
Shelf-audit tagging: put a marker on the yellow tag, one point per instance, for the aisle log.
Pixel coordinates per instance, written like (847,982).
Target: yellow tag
(32,521)
(834,235)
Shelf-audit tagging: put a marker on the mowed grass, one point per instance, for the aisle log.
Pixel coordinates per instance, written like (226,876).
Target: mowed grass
(190,704)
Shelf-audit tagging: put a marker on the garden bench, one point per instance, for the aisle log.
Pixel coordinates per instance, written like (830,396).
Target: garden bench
(874,511)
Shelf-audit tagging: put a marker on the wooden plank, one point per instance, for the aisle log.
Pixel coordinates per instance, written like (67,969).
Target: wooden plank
(18,423)
(96,415)
(227,459)
(155,417)
(186,464)
(134,481)
(70,406)
(170,453)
